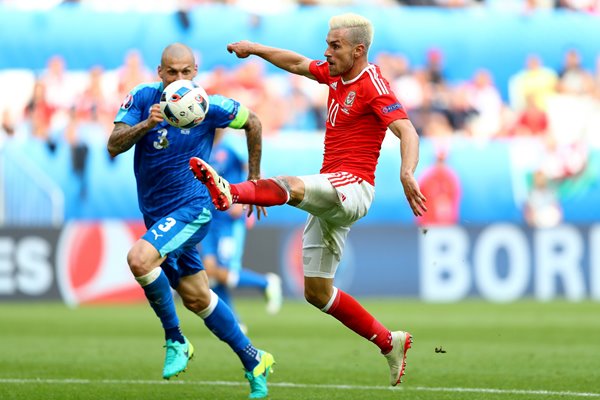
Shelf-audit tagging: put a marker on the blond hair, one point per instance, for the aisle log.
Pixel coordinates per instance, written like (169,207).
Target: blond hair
(360,28)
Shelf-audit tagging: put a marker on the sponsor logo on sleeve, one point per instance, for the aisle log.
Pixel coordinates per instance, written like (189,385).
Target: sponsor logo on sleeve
(127,102)
(393,107)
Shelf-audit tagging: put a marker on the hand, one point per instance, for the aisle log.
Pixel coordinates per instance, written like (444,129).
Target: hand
(155,117)
(241,49)
(259,210)
(413,194)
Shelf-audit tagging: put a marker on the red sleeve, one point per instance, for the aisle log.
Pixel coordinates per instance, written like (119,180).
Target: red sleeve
(388,108)
(320,70)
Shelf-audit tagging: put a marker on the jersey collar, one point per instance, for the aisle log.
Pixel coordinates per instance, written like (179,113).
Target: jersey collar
(370,66)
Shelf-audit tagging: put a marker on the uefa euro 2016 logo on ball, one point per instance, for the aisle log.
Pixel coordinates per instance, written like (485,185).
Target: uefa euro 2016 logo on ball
(184,104)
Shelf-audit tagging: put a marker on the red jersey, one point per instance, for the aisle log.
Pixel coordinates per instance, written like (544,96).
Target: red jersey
(358,114)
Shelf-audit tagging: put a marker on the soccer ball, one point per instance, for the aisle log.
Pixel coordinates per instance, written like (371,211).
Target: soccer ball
(183,104)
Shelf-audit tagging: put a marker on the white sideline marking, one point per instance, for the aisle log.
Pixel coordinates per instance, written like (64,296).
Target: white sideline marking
(298,385)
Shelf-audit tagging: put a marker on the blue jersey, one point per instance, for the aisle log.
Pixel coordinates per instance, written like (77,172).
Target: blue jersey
(161,158)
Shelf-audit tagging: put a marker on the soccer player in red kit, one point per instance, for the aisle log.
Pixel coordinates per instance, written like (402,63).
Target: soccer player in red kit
(361,107)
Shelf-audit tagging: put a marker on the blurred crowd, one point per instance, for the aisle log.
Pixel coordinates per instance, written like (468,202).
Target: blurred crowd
(271,6)
(62,104)
(558,106)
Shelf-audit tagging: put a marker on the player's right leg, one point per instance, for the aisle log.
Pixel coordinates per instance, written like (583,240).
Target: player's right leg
(262,192)
(157,289)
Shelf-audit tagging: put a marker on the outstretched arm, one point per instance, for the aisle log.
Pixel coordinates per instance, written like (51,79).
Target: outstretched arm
(409,151)
(284,59)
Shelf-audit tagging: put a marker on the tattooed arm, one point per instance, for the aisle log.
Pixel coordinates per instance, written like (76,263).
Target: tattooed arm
(123,136)
(253,130)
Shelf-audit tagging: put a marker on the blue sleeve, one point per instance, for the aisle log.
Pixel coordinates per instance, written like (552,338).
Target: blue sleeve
(135,107)
(227,112)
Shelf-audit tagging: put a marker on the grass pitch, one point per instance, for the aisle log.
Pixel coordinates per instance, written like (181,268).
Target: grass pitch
(523,350)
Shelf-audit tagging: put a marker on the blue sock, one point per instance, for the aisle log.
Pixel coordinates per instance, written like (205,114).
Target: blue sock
(249,278)
(160,298)
(223,324)
(223,292)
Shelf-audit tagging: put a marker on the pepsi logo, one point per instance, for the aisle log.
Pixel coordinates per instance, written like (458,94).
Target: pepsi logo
(91,262)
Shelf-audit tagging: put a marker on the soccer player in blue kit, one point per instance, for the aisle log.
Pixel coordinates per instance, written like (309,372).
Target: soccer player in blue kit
(223,247)
(177,212)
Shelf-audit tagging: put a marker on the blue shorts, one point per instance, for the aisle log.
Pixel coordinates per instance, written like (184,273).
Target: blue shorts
(225,242)
(176,236)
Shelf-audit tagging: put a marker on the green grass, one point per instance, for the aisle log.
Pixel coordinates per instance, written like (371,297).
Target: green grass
(525,350)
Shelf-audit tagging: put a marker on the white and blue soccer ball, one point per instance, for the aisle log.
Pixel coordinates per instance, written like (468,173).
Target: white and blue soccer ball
(184,104)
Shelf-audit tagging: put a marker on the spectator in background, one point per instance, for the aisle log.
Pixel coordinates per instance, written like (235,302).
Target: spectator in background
(132,73)
(439,92)
(591,6)
(460,113)
(305,108)
(94,104)
(79,151)
(252,88)
(532,120)
(542,208)
(437,125)
(301,116)
(535,81)
(484,97)
(39,113)
(441,186)
(218,80)
(407,85)
(61,87)
(573,78)
(434,66)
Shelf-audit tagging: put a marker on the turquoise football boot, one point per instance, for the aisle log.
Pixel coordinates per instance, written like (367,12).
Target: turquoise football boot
(258,376)
(177,357)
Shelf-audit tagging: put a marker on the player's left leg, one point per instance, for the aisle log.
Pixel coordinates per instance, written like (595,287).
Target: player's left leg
(219,318)
(323,244)
(393,345)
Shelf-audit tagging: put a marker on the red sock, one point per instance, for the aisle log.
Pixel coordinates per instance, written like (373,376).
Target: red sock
(350,313)
(263,192)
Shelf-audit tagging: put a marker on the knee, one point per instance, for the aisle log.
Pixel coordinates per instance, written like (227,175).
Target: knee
(317,298)
(135,260)
(294,186)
